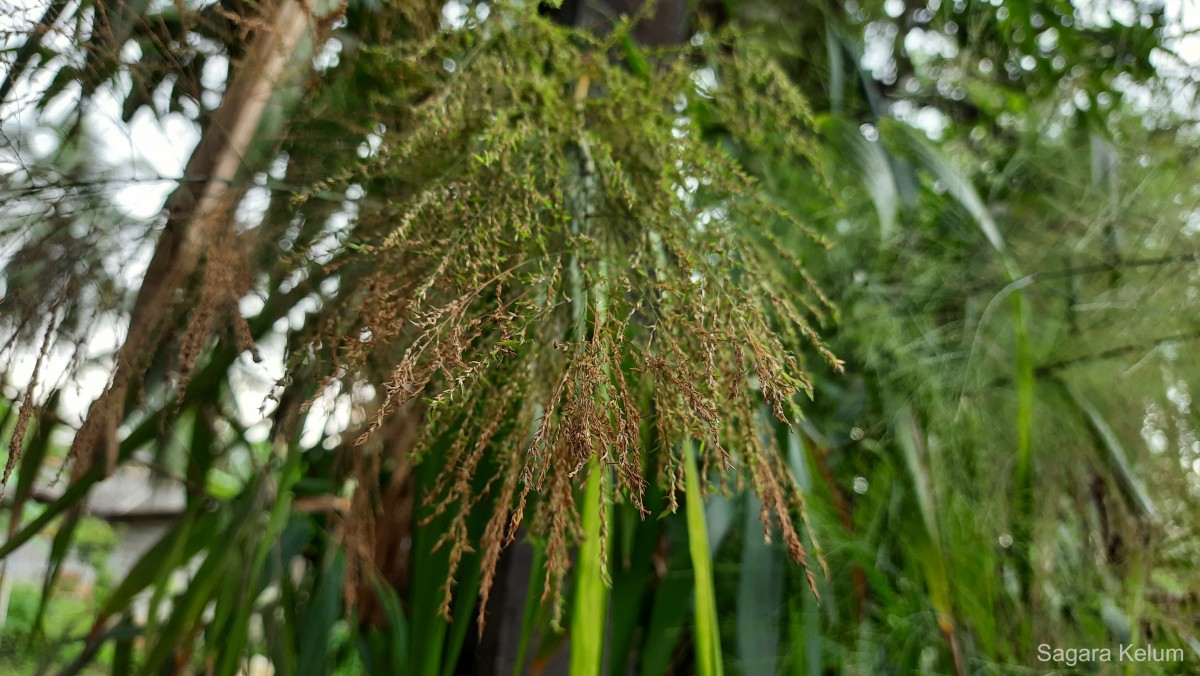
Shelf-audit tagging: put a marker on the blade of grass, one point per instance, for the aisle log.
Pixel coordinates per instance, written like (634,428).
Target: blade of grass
(430,632)
(122,660)
(1118,460)
(397,625)
(707,630)
(70,497)
(913,143)
(837,68)
(760,596)
(466,593)
(196,529)
(671,600)
(256,577)
(177,636)
(872,166)
(960,187)
(1023,480)
(632,573)
(933,555)
(59,549)
(533,609)
(719,515)
(318,620)
(590,610)
(803,655)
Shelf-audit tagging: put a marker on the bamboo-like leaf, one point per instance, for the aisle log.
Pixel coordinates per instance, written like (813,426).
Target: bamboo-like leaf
(316,625)
(960,187)
(912,142)
(720,513)
(533,609)
(1024,384)
(255,577)
(837,67)
(174,557)
(589,613)
(872,166)
(122,661)
(196,528)
(281,625)
(464,602)
(632,571)
(911,442)
(59,548)
(430,633)
(804,635)
(760,596)
(397,626)
(78,490)
(1118,460)
(668,613)
(232,598)
(707,629)
(932,555)
(70,498)
(177,635)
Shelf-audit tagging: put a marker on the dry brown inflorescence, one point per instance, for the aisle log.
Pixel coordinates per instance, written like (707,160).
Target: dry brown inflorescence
(560,259)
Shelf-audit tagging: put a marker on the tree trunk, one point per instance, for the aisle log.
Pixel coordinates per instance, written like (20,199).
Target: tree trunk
(196,212)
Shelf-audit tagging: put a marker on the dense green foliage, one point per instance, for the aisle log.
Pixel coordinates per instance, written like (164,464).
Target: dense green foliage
(567,323)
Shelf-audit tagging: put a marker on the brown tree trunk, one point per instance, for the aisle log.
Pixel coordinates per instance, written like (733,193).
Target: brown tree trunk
(197,211)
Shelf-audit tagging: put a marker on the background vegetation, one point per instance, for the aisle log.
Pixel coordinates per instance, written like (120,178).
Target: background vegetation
(490,338)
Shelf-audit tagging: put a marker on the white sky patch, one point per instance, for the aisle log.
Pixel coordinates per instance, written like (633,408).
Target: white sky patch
(706,81)
(923,45)
(455,14)
(253,383)
(329,56)
(137,164)
(254,204)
